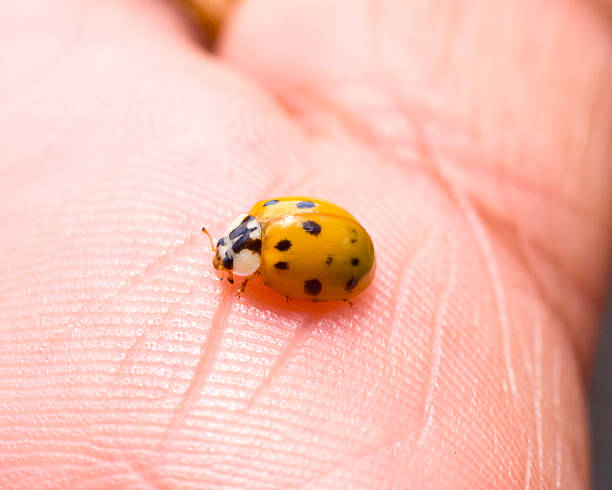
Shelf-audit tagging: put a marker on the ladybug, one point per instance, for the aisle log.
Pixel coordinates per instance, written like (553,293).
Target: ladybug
(303,248)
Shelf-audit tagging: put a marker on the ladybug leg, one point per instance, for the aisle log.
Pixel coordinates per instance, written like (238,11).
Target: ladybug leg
(241,288)
(230,277)
(350,303)
(245,282)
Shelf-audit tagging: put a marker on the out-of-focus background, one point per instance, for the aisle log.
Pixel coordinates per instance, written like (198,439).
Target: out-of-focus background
(601,405)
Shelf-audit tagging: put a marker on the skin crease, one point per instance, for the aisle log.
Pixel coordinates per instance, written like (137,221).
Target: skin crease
(471,139)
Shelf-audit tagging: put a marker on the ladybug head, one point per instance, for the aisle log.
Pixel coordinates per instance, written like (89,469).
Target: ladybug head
(239,250)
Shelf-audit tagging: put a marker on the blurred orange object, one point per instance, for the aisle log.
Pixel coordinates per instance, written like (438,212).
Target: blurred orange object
(207,14)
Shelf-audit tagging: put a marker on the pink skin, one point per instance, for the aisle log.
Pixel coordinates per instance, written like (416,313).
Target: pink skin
(472,140)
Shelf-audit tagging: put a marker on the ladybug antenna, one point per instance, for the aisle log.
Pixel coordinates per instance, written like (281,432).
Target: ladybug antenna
(212,246)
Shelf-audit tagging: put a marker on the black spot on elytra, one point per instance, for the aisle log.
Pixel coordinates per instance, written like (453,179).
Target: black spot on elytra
(350,284)
(354,261)
(305,204)
(353,240)
(312,227)
(329,260)
(271,202)
(228,263)
(282,265)
(312,287)
(283,245)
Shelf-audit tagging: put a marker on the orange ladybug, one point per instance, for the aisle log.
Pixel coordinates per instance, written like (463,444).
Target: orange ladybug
(303,248)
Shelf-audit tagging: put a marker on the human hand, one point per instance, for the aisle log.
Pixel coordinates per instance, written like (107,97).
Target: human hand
(471,139)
